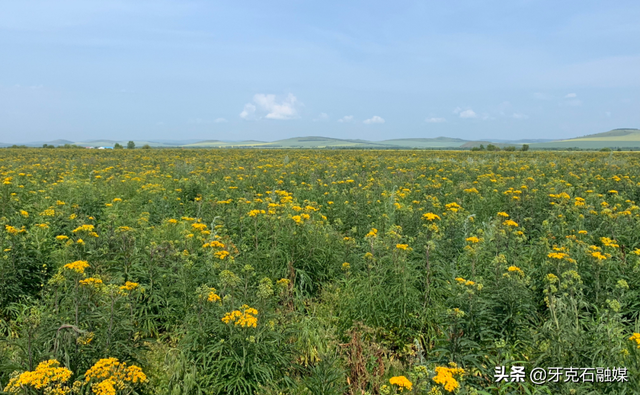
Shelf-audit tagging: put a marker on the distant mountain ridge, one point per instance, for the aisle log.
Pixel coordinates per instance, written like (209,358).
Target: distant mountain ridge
(622,137)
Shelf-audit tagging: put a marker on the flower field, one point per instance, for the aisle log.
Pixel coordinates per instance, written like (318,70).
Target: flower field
(316,271)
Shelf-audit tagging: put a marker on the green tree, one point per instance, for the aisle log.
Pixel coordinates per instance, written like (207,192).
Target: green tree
(118,146)
(525,147)
(146,146)
(131,145)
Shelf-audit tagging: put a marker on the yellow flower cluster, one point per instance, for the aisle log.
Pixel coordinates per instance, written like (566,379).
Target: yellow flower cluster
(199,227)
(472,239)
(609,242)
(77,266)
(557,255)
(255,213)
(221,254)
(129,286)
(13,230)
(109,375)
(372,233)
(402,246)
(445,377)
(48,376)
(515,269)
(245,318)
(430,216)
(213,296)
(635,337)
(402,382)
(599,256)
(91,282)
(510,222)
(464,282)
(213,244)
(83,228)
(452,207)
(284,282)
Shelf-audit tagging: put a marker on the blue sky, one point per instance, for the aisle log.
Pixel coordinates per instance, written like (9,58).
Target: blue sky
(266,70)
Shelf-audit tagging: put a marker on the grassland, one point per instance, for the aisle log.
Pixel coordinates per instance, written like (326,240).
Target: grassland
(235,271)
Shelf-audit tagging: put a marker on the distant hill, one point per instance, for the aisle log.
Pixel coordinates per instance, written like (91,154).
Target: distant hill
(438,142)
(623,138)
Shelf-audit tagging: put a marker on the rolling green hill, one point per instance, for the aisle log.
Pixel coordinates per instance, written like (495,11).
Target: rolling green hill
(438,142)
(623,138)
(617,138)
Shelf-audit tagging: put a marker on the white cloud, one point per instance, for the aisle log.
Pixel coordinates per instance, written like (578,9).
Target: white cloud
(468,114)
(249,110)
(285,109)
(322,117)
(517,115)
(220,120)
(570,96)
(374,119)
(346,118)
(435,120)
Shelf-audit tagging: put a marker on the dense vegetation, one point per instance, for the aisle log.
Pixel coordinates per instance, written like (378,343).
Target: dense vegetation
(315,272)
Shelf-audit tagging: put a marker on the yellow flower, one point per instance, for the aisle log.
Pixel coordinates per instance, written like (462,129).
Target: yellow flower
(635,337)
(452,207)
(24,213)
(77,266)
(472,239)
(245,318)
(503,214)
(48,376)
(557,255)
(213,296)
(13,230)
(221,254)
(444,376)
(255,213)
(402,246)
(510,223)
(91,281)
(401,382)
(515,269)
(598,255)
(609,242)
(129,286)
(346,266)
(199,227)
(108,374)
(48,212)
(372,233)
